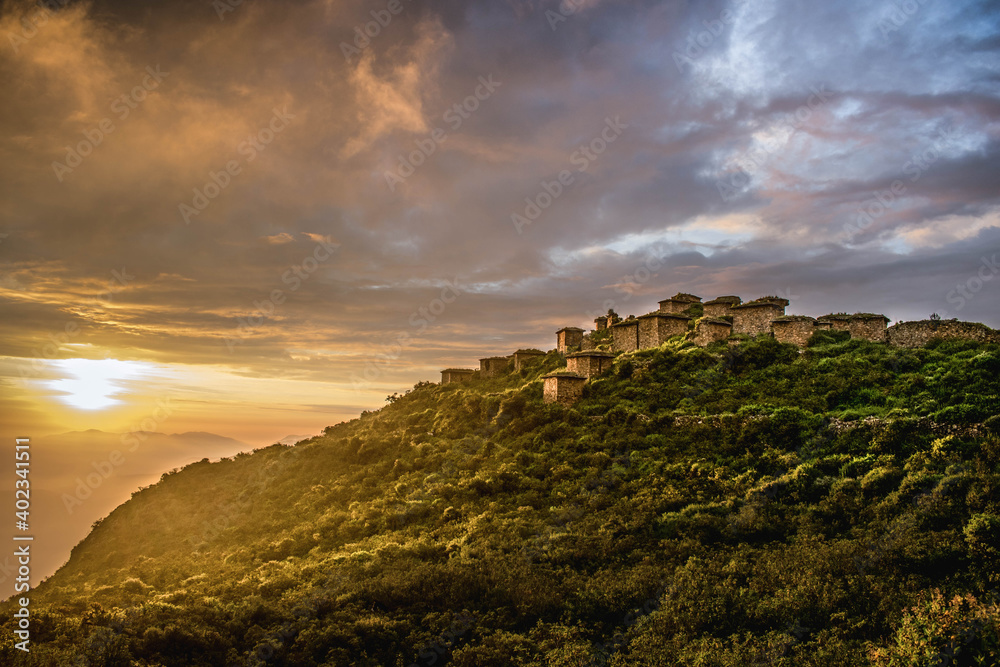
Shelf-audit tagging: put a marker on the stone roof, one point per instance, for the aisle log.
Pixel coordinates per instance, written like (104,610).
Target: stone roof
(676,316)
(627,323)
(569,329)
(764,302)
(794,318)
(725,299)
(494,358)
(458,370)
(688,298)
(715,320)
(529,351)
(564,374)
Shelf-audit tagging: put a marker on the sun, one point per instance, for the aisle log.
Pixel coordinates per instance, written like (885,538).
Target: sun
(92,384)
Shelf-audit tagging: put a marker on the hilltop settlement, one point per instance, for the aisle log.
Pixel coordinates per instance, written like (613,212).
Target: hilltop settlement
(725,320)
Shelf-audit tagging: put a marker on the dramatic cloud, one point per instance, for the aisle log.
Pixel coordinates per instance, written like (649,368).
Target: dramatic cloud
(346,198)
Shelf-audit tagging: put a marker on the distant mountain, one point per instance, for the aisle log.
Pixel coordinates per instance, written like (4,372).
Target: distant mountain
(80,476)
(762,504)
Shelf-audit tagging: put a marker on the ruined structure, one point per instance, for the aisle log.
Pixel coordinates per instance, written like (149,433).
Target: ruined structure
(709,330)
(625,336)
(868,326)
(678,303)
(755,317)
(457,375)
(656,328)
(565,388)
(918,334)
(836,322)
(724,318)
(568,339)
(721,306)
(794,329)
(493,366)
(589,364)
(524,358)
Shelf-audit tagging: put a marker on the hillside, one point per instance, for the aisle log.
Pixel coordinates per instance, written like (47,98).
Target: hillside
(698,506)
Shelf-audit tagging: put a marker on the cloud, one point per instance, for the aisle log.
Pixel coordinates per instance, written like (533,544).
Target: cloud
(651,198)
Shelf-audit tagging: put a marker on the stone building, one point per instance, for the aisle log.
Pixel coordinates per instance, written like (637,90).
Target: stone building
(835,321)
(565,388)
(656,328)
(625,336)
(589,364)
(868,326)
(721,306)
(755,317)
(457,375)
(709,330)
(601,323)
(568,338)
(524,358)
(918,334)
(678,303)
(794,329)
(491,367)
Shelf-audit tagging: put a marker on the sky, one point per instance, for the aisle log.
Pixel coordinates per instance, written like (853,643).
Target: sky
(257,219)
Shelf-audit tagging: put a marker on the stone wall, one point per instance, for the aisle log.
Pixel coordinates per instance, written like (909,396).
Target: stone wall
(601,323)
(836,322)
(524,358)
(625,336)
(868,327)
(721,306)
(709,330)
(672,306)
(493,366)
(457,375)
(918,334)
(563,388)
(656,328)
(794,330)
(568,338)
(755,318)
(589,364)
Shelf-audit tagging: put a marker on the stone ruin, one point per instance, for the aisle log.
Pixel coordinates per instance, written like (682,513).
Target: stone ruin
(590,363)
(524,358)
(491,367)
(725,318)
(565,388)
(457,375)
(569,338)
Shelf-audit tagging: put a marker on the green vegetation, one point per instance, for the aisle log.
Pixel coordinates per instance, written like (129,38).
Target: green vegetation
(697,507)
